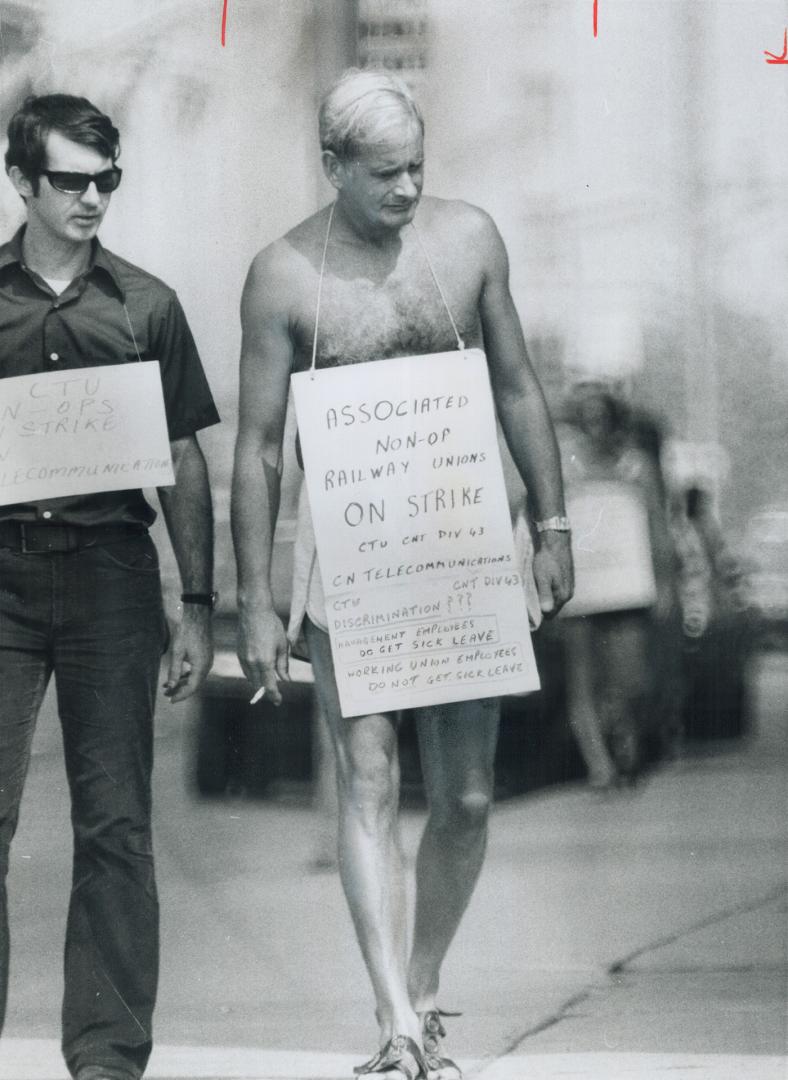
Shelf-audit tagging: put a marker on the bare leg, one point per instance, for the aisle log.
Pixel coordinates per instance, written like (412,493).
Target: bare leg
(457,744)
(628,689)
(370,857)
(324,794)
(582,706)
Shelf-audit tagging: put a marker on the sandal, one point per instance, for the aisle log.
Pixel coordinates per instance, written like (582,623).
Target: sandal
(400,1053)
(438,1067)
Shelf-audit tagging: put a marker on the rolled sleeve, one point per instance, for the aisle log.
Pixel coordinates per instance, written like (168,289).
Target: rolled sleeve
(188,402)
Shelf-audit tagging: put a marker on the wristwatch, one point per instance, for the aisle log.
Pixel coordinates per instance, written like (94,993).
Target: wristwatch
(207,599)
(553,524)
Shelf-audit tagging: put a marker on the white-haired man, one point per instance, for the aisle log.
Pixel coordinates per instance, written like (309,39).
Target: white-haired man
(378,299)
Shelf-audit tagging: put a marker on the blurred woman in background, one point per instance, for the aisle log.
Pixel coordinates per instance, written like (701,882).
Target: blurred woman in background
(621,640)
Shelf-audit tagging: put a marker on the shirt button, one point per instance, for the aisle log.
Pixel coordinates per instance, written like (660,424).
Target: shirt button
(47,514)
(54,357)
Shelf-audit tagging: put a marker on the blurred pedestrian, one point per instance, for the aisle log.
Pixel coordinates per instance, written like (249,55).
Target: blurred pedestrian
(617,650)
(716,634)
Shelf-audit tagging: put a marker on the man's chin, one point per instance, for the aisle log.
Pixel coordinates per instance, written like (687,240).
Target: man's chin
(84,230)
(399,216)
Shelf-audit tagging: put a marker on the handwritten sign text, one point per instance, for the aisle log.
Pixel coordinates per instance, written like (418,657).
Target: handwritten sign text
(82,430)
(424,600)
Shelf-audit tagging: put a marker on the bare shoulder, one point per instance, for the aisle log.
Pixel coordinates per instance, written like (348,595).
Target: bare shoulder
(281,272)
(464,228)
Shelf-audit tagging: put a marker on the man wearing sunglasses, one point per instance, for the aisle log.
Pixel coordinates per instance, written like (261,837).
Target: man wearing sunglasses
(80,596)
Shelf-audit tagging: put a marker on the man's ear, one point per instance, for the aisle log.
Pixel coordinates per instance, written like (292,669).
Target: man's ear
(24,187)
(333,168)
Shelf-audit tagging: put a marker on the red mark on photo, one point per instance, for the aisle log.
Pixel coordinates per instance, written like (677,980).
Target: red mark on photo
(596,17)
(224,23)
(773,58)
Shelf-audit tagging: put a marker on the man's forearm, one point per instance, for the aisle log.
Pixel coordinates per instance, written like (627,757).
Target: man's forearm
(254,509)
(531,440)
(189,518)
(533,446)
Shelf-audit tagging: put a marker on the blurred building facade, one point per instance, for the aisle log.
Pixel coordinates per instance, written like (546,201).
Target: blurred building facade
(639,179)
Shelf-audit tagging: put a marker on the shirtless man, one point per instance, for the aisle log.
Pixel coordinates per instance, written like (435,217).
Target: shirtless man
(379,300)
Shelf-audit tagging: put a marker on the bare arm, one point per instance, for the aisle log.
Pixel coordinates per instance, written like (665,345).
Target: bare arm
(525,420)
(662,547)
(266,364)
(189,518)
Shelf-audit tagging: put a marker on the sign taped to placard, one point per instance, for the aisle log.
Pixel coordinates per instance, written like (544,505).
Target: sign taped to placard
(611,549)
(425,603)
(83,430)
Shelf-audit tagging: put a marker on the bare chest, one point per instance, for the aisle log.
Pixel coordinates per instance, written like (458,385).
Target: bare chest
(370,316)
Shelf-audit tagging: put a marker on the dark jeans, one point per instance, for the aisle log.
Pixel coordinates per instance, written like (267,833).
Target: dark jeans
(93,617)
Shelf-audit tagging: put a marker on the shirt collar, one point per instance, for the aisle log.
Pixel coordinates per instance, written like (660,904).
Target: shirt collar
(11,252)
(100,257)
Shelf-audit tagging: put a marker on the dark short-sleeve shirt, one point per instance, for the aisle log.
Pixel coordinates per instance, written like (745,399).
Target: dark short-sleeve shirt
(86,326)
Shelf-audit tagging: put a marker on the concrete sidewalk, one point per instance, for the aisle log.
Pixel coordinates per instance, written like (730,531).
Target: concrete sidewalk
(613,937)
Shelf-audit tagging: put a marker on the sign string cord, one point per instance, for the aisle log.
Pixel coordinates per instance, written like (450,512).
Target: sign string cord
(320,287)
(460,342)
(131,331)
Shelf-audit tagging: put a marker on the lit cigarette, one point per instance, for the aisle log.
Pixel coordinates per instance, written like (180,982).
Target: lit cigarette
(258,696)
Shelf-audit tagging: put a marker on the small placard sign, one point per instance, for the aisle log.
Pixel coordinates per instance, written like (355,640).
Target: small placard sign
(82,430)
(611,549)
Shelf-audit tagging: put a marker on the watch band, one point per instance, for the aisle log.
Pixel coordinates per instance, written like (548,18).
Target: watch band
(553,524)
(207,599)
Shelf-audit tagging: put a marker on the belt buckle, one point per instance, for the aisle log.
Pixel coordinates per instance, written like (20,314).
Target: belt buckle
(45,538)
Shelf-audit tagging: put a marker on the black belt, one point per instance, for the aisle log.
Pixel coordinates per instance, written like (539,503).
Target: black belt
(34,537)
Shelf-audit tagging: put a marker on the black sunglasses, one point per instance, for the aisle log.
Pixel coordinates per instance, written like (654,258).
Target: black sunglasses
(77,183)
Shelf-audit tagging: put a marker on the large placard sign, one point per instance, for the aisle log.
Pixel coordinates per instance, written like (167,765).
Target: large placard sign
(424,600)
(83,430)
(614,570)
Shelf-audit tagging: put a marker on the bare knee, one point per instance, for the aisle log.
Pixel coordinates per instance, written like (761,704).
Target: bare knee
(368,787)
(462,818)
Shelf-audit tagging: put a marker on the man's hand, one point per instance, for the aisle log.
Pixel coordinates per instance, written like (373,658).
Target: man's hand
(190,653)
(263,651)
(665,604)
(553,572)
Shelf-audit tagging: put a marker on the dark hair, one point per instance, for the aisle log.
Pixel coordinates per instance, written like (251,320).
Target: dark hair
(73,117)
(617,411)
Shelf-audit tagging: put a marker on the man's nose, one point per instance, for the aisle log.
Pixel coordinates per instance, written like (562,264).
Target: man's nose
(91,195)
(407,185)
